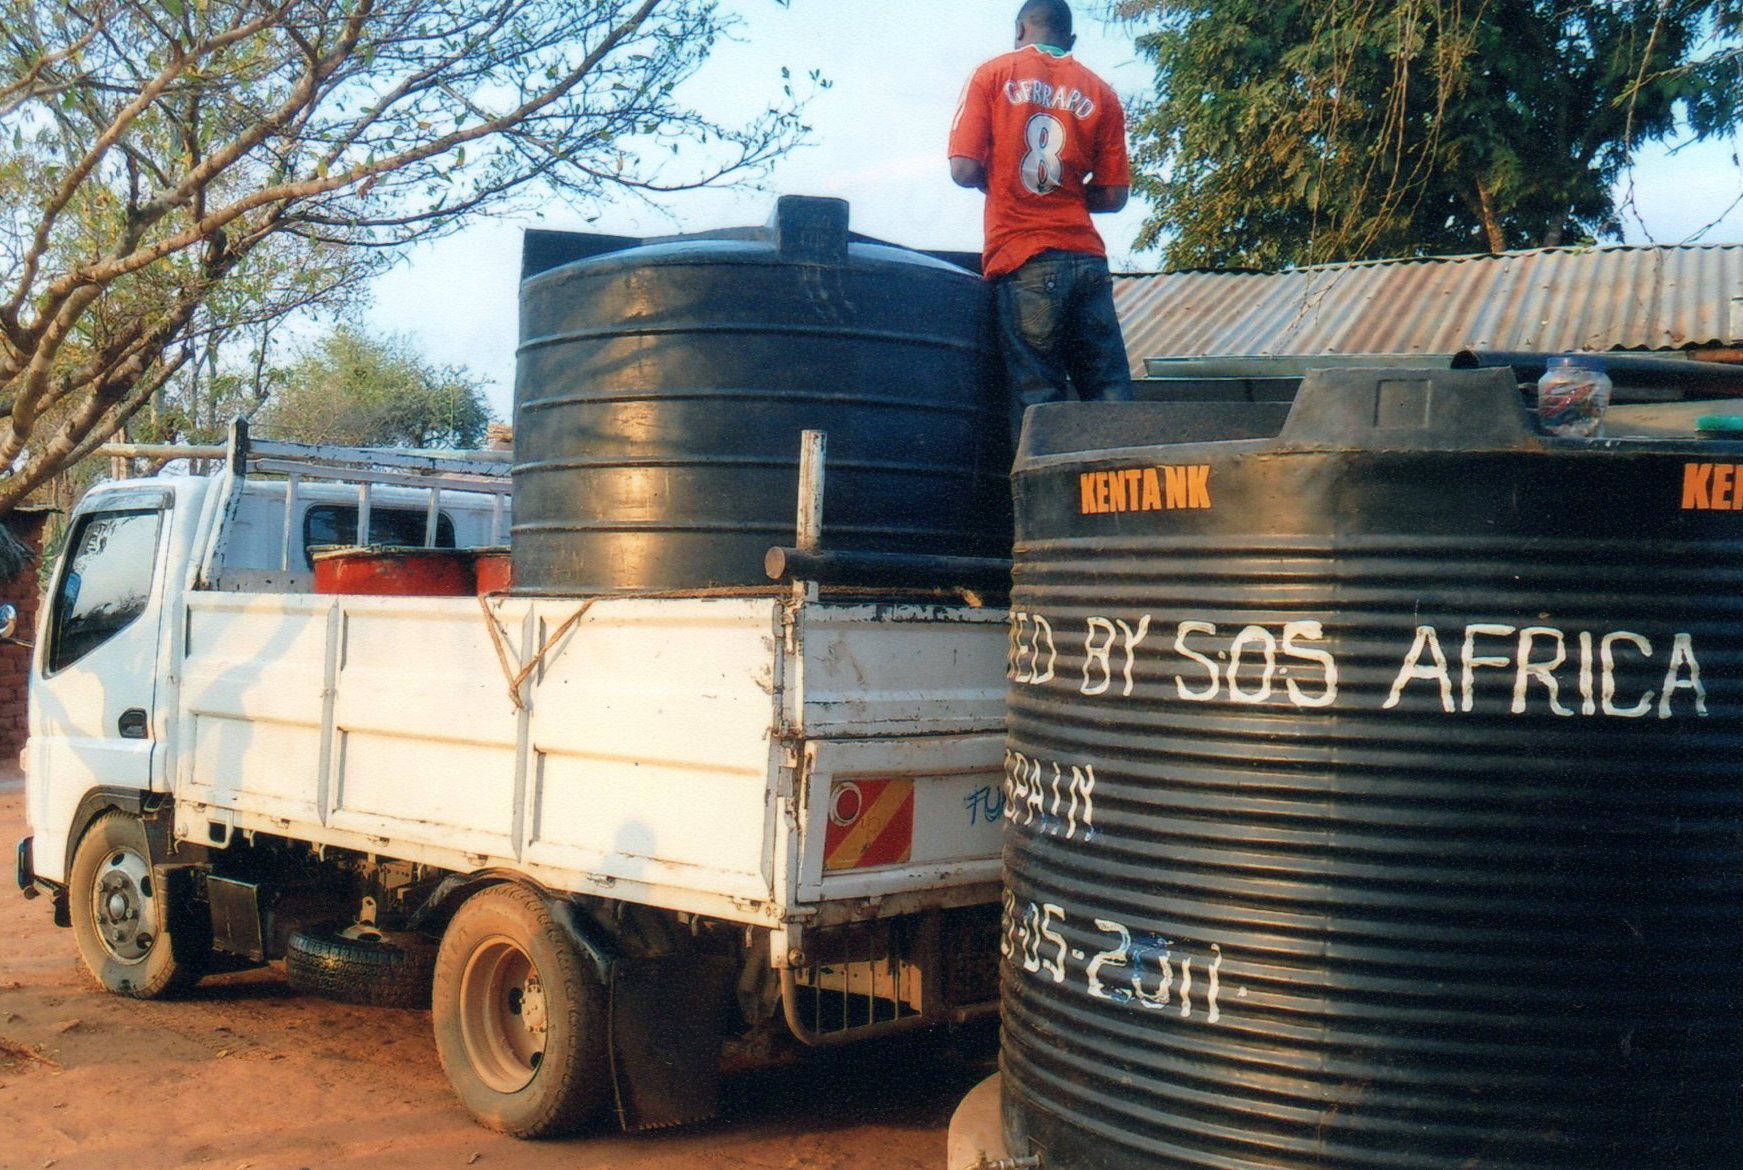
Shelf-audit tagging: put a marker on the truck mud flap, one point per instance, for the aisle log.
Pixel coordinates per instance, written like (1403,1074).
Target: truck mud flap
(665,1042)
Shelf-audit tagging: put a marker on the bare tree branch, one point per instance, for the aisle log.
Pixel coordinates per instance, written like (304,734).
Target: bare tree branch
(175,177)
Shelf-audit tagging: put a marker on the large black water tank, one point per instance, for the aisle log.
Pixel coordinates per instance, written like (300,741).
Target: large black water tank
(1375,791)
(661,392)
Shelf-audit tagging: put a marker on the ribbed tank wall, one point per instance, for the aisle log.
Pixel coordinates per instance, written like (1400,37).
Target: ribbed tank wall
(661,393)
(1373,794)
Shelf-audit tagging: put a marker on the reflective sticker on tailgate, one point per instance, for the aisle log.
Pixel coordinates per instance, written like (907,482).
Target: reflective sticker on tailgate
(871,822)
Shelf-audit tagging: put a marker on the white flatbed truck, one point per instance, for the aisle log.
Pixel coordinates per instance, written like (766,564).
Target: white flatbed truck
(596,834)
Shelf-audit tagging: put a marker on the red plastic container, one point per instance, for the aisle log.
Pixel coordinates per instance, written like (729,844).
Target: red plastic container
(495,570)
(396,572)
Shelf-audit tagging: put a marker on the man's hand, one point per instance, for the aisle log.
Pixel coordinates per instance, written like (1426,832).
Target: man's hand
(966,172)
(1102,199)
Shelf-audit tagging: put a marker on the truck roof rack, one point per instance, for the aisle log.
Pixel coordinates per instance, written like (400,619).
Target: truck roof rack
(247,455)
(483,472)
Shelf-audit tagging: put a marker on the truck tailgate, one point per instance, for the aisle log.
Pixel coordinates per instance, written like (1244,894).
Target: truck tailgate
(902,711)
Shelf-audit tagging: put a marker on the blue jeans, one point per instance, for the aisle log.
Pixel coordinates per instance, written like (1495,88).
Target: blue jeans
(1059,335)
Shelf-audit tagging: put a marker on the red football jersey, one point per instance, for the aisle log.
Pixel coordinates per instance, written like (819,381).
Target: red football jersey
(1043,126)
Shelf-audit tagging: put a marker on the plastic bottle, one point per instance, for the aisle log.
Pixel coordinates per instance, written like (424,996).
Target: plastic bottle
(1572,395)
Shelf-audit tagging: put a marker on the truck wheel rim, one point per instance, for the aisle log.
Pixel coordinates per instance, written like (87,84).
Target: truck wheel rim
(124,906)
(503,1015)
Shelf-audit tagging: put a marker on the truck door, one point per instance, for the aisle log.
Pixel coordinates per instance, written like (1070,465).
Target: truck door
(92,712)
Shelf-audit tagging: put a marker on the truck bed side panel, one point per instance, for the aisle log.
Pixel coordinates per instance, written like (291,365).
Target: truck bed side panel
(253,681)
(653,752)
(646,757)
(424,732)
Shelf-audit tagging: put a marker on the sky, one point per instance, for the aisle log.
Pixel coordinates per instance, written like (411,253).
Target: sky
(878,141)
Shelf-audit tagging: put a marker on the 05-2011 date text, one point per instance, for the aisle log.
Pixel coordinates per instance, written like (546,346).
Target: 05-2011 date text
(1133,968)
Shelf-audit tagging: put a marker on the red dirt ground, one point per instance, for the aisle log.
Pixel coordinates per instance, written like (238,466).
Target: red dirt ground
(250,1075)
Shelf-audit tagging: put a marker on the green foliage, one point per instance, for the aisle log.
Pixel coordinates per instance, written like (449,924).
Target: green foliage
(1287,132)
(174,177)
(356,390)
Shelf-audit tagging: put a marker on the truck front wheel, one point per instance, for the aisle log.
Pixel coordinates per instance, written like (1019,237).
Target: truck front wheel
(519,1017)
(121,915)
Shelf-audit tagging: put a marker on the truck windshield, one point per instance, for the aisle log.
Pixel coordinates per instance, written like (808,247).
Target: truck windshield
(107,582)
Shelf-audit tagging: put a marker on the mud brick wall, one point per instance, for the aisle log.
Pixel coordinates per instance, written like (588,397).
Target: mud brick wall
(23,591)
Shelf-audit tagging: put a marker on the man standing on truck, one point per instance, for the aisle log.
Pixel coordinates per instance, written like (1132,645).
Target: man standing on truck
(1045,138)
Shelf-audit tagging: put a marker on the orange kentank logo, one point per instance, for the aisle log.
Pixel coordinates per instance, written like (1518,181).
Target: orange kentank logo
(1712,487)
(1145,489)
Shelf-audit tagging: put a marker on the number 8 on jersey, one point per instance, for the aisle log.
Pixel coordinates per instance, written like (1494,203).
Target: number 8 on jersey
(1041,168)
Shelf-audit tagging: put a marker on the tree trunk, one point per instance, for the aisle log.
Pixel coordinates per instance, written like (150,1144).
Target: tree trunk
(1491,224)
(1553,234)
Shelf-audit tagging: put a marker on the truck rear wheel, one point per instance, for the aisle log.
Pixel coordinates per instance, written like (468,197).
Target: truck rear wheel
(122,915)
(519,1017)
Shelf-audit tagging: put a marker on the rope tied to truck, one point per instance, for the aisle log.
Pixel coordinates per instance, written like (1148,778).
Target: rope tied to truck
(517,677)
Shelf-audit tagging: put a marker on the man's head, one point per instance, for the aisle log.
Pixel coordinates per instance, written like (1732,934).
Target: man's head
(1045,22)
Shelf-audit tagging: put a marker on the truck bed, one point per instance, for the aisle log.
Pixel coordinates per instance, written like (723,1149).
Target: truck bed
(678,752)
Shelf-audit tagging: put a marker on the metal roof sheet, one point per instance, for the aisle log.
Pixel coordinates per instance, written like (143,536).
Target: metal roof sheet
(1653,297)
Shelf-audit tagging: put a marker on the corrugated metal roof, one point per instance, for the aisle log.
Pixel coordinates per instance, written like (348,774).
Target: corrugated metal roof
(1551,300)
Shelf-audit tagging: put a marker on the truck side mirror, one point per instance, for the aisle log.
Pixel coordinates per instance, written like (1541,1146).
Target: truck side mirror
(9,626)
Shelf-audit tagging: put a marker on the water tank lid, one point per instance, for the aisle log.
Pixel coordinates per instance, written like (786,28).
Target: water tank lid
(810,230)
(1378,409)
(802,229)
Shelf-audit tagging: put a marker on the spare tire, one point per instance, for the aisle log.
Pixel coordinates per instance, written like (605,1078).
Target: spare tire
(362,964)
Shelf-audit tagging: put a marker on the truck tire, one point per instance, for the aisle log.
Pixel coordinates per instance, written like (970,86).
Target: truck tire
(361,965)
(519,1017)
(122,916)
